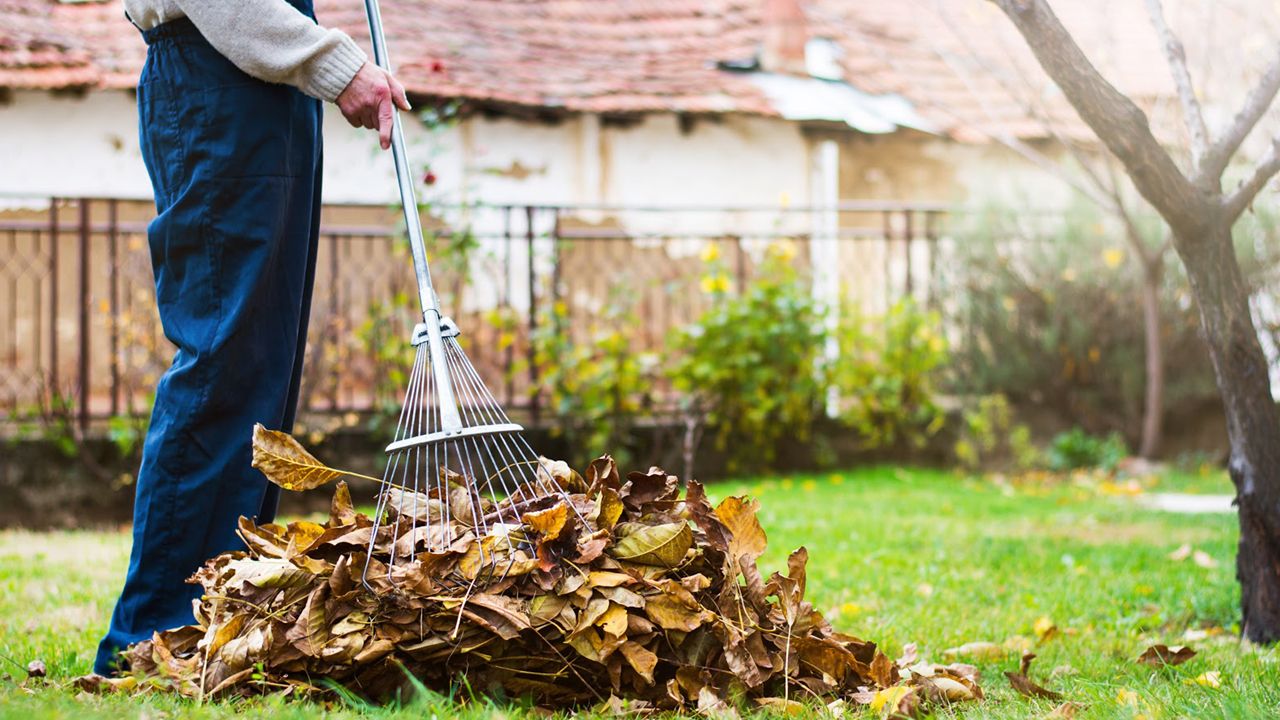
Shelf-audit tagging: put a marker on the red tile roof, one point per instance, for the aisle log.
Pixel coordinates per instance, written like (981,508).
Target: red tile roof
(634,56)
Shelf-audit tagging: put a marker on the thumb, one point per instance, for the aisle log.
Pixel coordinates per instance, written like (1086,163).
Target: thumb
(398,94)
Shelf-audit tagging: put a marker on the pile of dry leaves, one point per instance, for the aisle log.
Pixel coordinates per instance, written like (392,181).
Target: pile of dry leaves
(635,592)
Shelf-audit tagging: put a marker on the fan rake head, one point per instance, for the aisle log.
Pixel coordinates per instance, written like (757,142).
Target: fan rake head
(459,473)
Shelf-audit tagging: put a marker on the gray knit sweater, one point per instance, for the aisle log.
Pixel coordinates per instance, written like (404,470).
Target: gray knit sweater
(268,39)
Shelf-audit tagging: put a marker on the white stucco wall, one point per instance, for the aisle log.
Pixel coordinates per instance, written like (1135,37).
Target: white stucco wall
(71,146)
(88,146)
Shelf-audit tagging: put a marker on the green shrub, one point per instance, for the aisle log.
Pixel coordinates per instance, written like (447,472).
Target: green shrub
(596,388)
(1076,448)
(989,437)
(751,362)
(1047,311)
(887,372)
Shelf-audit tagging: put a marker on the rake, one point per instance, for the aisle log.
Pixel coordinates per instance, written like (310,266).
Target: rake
(456,461)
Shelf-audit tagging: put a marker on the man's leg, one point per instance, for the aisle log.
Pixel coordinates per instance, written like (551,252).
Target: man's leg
(233,254)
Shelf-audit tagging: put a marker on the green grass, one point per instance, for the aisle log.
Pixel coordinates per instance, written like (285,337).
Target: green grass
(898,556)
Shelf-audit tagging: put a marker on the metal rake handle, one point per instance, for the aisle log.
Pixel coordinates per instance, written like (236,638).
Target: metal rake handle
(408,198)
(450,420)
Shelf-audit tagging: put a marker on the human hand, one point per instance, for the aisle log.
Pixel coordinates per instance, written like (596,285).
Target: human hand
(367,101)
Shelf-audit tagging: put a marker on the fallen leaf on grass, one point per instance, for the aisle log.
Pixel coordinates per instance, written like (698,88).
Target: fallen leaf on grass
(1023,683)
(1045,628)
(982,651)
(97,684)
(1203,559)
(896,700)
(1065,711)
(1165,655)
(36,669)
(1198,634)
(1211,679)
(1182,553)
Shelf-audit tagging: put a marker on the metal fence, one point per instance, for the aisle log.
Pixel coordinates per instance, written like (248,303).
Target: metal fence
(79,332)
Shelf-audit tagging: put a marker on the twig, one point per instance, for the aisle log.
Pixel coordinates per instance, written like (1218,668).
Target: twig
(1219,155)
(1176,56)
(1237,201)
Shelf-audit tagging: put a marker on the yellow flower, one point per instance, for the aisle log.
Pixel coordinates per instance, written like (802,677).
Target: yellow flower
(1113,257)
(850,608)
(711,252)
(714,283)
(1127,697)
(809,486)
(836,479)
(784,250)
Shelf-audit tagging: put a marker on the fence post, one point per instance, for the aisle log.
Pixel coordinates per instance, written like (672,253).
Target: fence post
(887,243)
(82,361)
(53,301)
(534,391)
(113,299)
(740,264)
(931,242)
(509,386)
(906,239)
(558,325)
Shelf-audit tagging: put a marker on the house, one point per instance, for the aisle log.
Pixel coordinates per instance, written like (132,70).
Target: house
(666,121)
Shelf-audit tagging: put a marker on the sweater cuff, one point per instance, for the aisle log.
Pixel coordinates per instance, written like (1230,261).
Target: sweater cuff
(332,71)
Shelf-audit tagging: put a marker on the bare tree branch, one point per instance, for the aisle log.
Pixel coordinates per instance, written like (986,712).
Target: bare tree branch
(1104,190)
(1115,119)
(1096,190)
(1176,56)
(1237,201)
(1219,155)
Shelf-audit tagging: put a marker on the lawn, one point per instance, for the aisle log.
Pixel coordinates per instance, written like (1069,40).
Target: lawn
(898,556)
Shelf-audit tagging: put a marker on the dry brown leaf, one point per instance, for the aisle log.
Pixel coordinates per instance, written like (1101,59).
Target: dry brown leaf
(664,545)
(981,651)
(548,523)
(1203,559)
(1022,682)
(1065,711)
(747,538)
(1165,655)
(286,463)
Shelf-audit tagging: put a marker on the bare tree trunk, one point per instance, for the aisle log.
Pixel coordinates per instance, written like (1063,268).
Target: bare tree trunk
(1153,409)
(1253,421)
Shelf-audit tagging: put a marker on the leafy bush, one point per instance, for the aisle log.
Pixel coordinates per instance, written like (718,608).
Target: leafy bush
(751,361)
(1046,311)
(989,436)
(1076,448)
(886,374)
(597,388)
